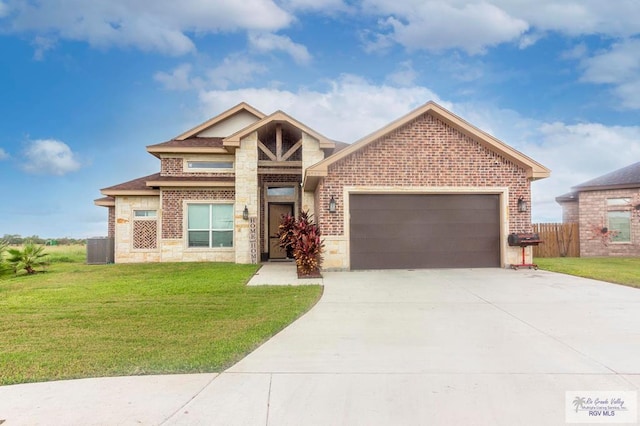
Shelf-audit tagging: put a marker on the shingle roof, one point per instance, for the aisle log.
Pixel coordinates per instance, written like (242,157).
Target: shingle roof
(626,177)
(194,142)
(133,185)
(569,196)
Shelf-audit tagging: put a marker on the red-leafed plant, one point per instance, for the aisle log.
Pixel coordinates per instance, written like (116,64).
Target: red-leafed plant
(303,237)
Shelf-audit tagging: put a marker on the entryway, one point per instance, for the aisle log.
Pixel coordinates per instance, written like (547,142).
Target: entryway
(275,212)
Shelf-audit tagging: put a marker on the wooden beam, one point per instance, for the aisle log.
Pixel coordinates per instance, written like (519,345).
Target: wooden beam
(293,149)
(266,150)
(267,163)
(279,142)
(280,171)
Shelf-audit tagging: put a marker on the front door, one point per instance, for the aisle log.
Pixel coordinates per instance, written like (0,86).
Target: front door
(276,212)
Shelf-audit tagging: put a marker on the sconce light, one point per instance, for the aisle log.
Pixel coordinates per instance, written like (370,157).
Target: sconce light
(522,205)
(245,213)
(332,205)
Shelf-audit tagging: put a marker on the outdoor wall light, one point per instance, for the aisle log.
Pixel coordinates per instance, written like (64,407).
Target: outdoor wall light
(245,213)
(522,205)
(332,205)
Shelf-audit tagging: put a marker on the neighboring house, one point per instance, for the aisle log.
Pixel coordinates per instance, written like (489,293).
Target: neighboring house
(607,210)
(427,190)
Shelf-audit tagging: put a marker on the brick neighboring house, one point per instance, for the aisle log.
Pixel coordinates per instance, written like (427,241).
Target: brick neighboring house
(427,190)
(611,201)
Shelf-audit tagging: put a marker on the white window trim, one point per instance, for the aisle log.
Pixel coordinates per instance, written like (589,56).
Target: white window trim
(218,159)
(185,225)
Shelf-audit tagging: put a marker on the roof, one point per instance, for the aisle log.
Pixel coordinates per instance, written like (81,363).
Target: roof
(626,177)
(568,197)
(133,187)
(243,106)
(534,169)
(200,145)
(105,202)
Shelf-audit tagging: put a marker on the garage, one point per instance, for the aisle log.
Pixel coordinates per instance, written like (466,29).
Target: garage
(403,231)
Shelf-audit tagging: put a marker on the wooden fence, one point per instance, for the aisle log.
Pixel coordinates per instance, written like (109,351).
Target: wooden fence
(560,240)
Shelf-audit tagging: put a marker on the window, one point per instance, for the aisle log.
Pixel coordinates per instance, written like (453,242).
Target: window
(210,225)
(281,190)
(618,201)
(197,165)
(620,221)
(145,214)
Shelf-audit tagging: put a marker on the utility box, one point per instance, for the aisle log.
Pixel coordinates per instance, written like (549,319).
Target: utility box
(100,251)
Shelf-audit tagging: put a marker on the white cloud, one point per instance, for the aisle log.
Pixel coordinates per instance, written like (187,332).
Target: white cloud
(440,25)
(620,67)
(161,25)
(267,42)
(405,75)
(350,108)
(234,69)
(178,79)
(4,9)
(327,6)
(42,45)
(50,156)
(473,26)
(3,154)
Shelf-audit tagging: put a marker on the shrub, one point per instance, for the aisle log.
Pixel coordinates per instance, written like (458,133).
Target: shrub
(303,237)
(31,256)
(4,266)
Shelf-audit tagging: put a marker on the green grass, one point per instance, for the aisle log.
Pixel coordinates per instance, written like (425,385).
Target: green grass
(619,270)
(78,320)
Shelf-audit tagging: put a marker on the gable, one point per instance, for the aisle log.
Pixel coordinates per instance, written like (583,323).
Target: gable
(232,120)
(532,169)
(230,125)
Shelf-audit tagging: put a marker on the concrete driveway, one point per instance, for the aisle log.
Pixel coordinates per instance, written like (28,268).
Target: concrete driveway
(437,347)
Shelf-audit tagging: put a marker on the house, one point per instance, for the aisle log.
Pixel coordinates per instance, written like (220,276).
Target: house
(607,210)
(428,190)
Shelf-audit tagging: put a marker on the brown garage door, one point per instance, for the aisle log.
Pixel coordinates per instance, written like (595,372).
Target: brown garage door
(400,231)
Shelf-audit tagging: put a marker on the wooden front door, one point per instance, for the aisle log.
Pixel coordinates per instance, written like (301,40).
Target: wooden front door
(276,212)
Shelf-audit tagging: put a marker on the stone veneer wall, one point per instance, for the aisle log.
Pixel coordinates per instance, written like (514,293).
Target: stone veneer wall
(426,152)
(125,251)
(593,213)
(246,165)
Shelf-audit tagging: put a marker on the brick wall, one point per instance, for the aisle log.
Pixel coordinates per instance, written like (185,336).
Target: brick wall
(111,227)
(174,166)
(425,152)
(593,214)
(570,211)
(172,206)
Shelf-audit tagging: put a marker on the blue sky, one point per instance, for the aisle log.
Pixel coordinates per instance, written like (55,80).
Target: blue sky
(86,85)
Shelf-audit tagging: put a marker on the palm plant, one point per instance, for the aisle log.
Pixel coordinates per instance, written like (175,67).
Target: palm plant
(31,256)
(4,267)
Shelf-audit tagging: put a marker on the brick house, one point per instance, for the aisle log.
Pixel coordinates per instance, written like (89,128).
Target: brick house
(427,190)
(607,210)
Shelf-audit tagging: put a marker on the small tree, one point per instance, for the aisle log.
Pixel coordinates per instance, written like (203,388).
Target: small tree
(31,256)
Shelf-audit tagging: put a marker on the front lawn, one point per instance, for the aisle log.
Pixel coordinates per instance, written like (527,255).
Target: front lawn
(78,320)
(620,270)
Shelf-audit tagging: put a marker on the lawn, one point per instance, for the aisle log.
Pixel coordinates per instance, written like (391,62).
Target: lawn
(619,270)
(78,320)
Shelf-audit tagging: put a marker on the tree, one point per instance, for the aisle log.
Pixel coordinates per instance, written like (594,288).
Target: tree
(31,256)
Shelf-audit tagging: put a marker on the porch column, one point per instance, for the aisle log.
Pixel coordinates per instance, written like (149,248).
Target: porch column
(311,154)
(246,168)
